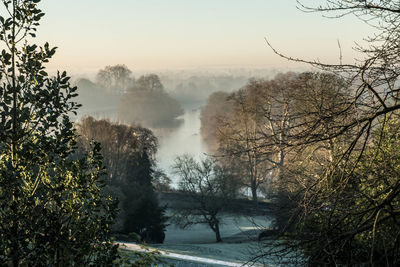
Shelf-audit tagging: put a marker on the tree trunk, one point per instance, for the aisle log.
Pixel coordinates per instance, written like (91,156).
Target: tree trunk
(217,233)
(254,192)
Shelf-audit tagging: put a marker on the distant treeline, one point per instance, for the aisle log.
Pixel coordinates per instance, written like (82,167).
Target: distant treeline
(118,95)
(165,93)
(194,90)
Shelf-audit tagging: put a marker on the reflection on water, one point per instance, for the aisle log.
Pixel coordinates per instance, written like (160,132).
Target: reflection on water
(184,140)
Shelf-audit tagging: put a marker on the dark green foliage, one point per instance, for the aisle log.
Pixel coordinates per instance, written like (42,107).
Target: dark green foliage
(141,171)
(128,152)
(143,214)
(358,223)
(284,206)
(149,257)
(62,219)
(52,211)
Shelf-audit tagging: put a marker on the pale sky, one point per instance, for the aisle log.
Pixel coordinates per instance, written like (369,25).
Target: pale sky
(181,34)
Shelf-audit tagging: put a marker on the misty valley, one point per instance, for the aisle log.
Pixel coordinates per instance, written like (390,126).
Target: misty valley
(181,140)
(141,120)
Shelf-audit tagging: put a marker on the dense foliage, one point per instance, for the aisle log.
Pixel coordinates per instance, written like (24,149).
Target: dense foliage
(52,209)
(128,153)
(358,222)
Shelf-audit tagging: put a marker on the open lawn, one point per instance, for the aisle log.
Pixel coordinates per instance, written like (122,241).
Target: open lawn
(239,235)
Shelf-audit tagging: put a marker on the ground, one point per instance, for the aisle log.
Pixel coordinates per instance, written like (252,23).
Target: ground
(239,235)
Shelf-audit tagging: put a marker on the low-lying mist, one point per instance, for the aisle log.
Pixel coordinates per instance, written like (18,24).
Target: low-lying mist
(169,104)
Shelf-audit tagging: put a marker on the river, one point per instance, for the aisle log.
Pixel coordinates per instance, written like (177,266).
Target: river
(186,139)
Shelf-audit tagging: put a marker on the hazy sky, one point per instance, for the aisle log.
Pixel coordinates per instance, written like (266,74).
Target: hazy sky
(179,34)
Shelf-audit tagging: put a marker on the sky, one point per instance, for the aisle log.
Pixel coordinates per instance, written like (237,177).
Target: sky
(191,34)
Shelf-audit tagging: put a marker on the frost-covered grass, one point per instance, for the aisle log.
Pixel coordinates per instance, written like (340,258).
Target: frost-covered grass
(233,229)
(239,235)
(185,247)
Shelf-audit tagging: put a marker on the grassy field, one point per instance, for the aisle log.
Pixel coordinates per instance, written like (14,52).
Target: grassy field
(239,235)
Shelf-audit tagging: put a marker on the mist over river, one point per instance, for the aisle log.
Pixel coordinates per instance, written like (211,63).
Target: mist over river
(185,139)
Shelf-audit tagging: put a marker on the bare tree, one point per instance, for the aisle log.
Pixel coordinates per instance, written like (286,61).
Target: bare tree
(348,213)
(254,135)
(373,81)
(211,188)
(239,137)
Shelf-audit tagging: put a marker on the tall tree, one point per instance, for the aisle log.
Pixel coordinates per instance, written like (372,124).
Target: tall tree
(252,137)
(129,153)
(52,211)
(331,230)
(144,216)
(239,137)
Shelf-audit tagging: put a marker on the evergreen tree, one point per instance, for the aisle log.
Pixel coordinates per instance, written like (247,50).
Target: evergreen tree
(144,215)
(129,156)
(52,211)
